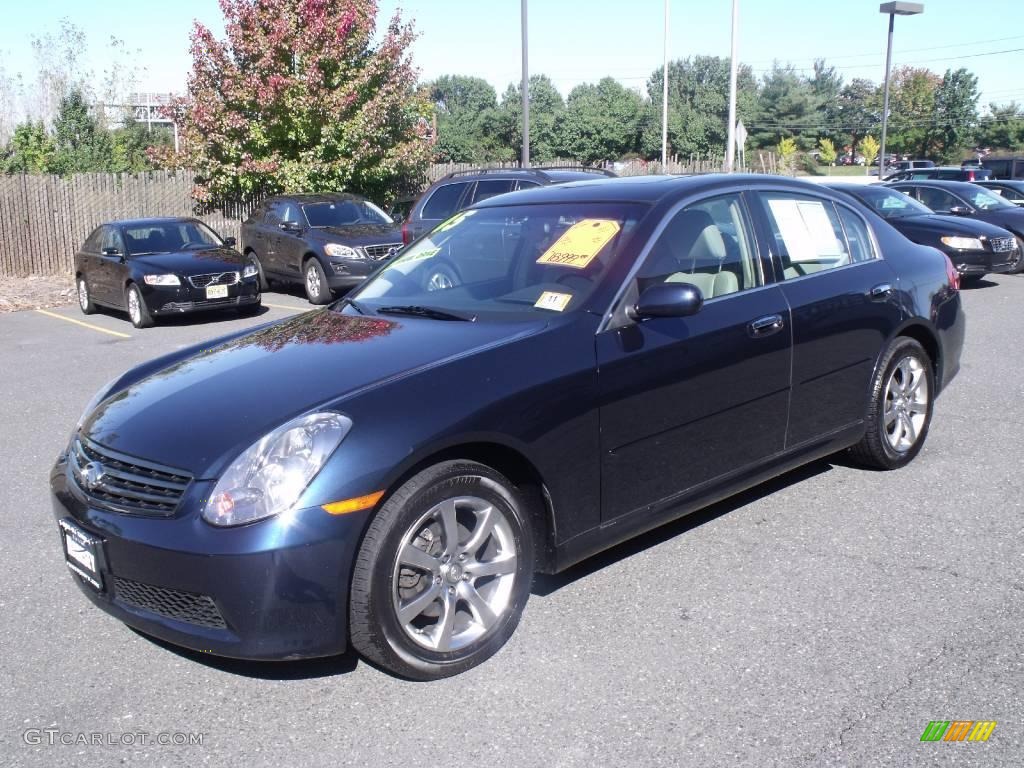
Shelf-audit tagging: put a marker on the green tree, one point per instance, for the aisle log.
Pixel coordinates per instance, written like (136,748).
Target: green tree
(302,95)
(1002,128)
(463,106)
(600,122)
(857,111)
(786,150)
(956,114)
(30,150)
(82,144)
(788,108)
(827,151)
(869,147)
(698,106)
(133,143)
(546,107)
(912,111)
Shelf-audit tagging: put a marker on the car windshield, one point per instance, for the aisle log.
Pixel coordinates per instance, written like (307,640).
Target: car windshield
(984,200)
(344,213)
(505,262)
(169,237)
(889,204)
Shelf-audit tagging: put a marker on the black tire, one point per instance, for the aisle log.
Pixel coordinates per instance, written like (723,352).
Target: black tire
(440,277)
(317,291)
(261,277)
(85,302)
(375,629)
(1020,262)
(971,280)
(876,449)
(142,318)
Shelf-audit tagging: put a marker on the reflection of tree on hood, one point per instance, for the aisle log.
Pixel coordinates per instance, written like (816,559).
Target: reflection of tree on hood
(323,327)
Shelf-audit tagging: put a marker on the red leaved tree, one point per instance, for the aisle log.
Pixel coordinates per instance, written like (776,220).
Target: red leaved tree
(301,96)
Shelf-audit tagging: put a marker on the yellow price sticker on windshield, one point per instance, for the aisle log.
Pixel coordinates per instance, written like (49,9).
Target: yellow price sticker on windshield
(580,243)
(454,221)
(553,301)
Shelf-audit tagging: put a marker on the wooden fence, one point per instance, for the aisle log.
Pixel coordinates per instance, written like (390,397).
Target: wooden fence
(44,219)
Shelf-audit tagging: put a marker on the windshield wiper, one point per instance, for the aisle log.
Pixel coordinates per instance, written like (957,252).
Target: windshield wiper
(430,312)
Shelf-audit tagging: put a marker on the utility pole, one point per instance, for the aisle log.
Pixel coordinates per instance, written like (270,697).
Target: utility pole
(664,99)
(526,94)
(730,149)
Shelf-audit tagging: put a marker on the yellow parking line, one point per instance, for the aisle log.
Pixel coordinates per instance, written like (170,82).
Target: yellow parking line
(282,306)
(84,325)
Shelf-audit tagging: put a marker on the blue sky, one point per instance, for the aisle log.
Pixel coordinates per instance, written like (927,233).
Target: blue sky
(577,41)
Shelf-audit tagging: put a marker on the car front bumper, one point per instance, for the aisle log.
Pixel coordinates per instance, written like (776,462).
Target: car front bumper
(272,590)
(175,300)
(977,263)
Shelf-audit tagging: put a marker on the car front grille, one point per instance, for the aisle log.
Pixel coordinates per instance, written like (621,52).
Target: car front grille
(170,603)
(378,252)
(125,484)
(1003,244)
(216,278)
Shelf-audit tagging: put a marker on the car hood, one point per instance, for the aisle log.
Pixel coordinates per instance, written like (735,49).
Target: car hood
(941,224)
(1007,218)
(200,412)
(193,262)
(362,234)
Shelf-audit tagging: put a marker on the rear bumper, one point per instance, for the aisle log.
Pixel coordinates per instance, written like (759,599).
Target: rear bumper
(951,324)
(272,590)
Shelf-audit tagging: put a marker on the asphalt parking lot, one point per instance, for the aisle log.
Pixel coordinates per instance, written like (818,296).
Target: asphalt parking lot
(823,619)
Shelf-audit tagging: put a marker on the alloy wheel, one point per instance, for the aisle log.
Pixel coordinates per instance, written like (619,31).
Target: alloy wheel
(312,281)
(83,294)
(454,574)
(134,310)
(439,281)
(906,404)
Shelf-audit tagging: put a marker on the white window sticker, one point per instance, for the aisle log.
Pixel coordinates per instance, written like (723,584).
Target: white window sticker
(806,230)
(554,301)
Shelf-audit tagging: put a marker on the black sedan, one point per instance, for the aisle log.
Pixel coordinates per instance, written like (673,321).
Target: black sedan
(325,242)
(1008,189)
(970,200)
(613,354)
(158,267)
(976,248)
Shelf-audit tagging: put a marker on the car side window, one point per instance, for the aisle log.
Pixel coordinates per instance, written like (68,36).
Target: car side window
(808,235)
(490,188)
(274,213)
(112,239)
(523,184)
(858,239)
(92,244)
(443,201)
(709,245)
(938,200)
(289,212)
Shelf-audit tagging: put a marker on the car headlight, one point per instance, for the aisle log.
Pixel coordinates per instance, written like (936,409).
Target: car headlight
(270,475)
(250,270)
(341,251)
(162,280)
(964,243)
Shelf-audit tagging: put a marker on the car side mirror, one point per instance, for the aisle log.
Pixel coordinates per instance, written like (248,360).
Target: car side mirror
(960,210)
(111,251)
(667,300)
(230,242)
(291,227)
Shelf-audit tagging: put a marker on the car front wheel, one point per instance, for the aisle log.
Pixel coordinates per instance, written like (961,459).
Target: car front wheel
(317,290)
(900,410)
(138,312)
(443,573)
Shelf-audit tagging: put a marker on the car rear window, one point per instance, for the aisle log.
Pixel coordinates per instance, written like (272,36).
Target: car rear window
(443,201)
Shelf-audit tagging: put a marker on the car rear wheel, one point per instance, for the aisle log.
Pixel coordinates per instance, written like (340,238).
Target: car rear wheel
(261,277)
(138,312)
(1020,261)
(443,573)
(84,297)
(317,290)
(900,411)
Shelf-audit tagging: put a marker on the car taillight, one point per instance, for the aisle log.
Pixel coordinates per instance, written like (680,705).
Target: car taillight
(406,237)
(951,274)
(970,175)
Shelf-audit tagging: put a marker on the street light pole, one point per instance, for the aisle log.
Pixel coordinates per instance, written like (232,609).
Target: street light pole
(526,94)
(730,148)
(664,100)
(894,10)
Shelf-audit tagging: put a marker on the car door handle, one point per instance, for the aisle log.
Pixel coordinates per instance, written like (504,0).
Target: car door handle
(765,326)
(880,291)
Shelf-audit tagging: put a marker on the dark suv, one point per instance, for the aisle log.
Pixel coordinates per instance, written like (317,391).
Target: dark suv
(327,242)
(461,189)
(942,173)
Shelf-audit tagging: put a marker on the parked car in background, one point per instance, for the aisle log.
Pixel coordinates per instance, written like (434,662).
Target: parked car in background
(1009,189)
(157,267)
(847,159)
(970,200)
(1004,167)
(459,190)
(326,242)
(941,173)
(389,472)
(975,247)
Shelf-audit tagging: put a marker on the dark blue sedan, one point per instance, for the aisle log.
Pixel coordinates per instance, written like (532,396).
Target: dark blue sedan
(388,472)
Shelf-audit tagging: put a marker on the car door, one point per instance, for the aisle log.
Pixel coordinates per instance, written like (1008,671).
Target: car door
(255,235)
(90,263)
(686,401)
(290,246)
(844,304)
(113,267)
(276,256)
(939,200)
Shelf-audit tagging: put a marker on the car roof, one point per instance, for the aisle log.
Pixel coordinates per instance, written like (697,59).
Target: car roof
(963,187)
(553,174)
(153,220)
(305,198)
(1016,183)
(640,189)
